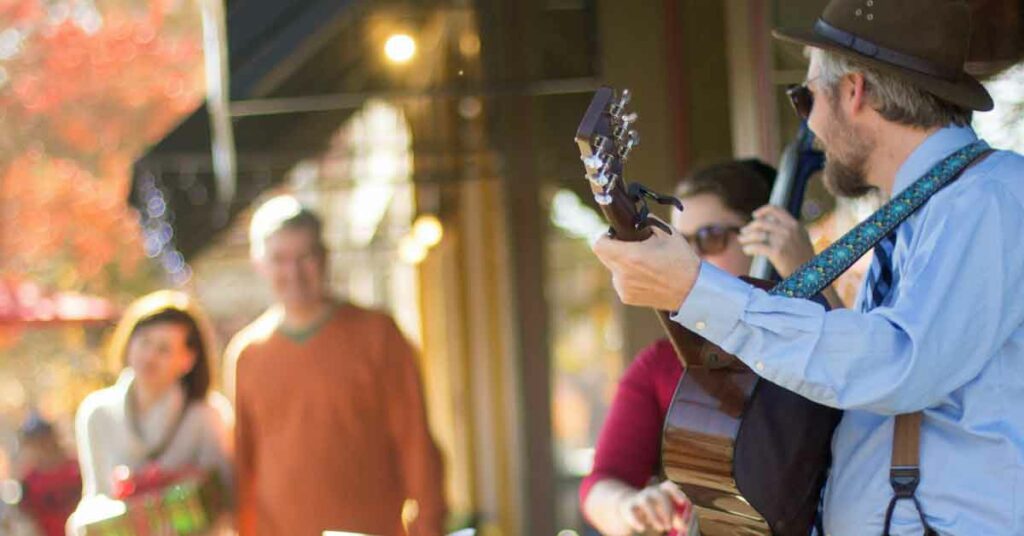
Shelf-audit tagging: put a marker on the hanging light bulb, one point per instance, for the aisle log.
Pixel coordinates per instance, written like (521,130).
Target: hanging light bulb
(428,230)
(410,250)
(400,48)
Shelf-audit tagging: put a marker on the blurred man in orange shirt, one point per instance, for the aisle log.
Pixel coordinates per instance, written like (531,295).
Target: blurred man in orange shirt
(332,432)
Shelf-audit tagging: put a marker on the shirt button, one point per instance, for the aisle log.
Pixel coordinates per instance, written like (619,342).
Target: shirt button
(759,366)
(700,325)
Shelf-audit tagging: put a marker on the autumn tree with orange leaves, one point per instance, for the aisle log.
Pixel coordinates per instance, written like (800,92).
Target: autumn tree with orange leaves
(85,87)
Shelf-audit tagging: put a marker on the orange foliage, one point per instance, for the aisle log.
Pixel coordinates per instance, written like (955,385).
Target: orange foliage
(80,100)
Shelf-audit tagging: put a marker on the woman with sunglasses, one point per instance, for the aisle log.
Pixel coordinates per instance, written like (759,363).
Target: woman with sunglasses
(618,497)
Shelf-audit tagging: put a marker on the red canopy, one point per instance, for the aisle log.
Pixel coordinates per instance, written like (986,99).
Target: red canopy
(26,303)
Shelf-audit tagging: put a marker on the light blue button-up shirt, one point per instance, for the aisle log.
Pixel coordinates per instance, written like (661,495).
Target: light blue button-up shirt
(949,340)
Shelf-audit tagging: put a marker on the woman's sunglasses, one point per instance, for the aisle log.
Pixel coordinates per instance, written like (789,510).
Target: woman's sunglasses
(711,239)
(802,99)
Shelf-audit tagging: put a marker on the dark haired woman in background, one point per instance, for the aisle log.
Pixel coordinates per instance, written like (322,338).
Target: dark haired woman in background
(618,497)
(161,413)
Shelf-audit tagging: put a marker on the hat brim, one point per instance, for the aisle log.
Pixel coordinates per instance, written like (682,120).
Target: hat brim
(965,91)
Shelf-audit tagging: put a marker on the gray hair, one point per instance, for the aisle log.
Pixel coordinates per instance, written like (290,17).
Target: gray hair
(894,98)
(282,212)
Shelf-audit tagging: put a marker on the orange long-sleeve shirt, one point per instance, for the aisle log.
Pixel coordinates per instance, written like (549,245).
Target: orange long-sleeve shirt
(331,430)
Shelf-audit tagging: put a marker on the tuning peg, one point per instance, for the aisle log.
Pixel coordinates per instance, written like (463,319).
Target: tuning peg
(593,161)
(632,140)
(616,109)
(601,179)
(625,98)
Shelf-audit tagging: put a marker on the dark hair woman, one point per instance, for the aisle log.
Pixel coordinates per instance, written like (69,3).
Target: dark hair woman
(161,413)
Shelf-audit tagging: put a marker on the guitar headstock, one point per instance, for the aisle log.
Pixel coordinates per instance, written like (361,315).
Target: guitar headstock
(605,139)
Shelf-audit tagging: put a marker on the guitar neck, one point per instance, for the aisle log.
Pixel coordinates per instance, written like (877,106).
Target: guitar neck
(604,138)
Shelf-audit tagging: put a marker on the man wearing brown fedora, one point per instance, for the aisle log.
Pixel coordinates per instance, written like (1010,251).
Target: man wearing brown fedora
(938,327)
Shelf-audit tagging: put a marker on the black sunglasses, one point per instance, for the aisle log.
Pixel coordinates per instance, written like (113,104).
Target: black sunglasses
(802,99)
(711,239)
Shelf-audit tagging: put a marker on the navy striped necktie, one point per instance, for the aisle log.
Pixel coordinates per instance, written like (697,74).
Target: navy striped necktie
(880,276)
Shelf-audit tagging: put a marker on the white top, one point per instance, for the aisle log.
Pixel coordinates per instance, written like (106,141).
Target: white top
(106,438)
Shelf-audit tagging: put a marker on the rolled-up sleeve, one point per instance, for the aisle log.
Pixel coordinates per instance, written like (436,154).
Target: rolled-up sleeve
(950,314)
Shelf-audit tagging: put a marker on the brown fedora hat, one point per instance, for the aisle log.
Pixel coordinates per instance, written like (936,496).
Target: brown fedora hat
(922,41)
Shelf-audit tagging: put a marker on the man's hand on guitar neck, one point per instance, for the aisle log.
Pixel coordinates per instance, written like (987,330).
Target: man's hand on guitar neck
(658,272)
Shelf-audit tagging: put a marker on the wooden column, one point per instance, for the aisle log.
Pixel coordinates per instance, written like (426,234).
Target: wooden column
(511,57)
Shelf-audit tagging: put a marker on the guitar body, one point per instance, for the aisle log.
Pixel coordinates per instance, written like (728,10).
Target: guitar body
(757,470)
(698,445)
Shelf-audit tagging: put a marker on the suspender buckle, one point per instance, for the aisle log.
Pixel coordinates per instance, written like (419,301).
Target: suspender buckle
(904,480)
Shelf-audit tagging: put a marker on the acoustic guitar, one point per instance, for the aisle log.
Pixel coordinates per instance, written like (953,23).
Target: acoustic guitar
(751,456)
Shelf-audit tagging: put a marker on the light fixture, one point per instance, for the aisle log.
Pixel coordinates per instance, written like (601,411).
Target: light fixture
(410,250)
(428,230)
(400,48)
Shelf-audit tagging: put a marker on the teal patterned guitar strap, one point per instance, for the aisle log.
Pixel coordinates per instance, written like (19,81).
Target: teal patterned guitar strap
(824,268)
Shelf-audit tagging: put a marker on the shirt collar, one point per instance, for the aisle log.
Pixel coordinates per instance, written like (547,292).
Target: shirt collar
(934,148)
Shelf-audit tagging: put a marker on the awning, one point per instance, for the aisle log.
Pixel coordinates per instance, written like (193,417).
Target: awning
(277,48)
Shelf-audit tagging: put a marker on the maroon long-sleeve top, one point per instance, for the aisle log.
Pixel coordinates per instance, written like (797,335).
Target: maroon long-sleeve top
(630,439)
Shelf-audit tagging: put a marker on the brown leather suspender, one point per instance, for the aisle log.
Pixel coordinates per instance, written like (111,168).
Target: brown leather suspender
(905,473)
(906,440)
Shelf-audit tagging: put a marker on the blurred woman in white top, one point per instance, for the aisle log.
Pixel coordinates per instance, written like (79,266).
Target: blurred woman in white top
(161,412)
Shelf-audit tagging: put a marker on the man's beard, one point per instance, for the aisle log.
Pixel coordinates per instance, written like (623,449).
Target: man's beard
(846,159)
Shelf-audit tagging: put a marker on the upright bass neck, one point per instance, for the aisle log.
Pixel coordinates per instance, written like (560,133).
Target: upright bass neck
(798,161)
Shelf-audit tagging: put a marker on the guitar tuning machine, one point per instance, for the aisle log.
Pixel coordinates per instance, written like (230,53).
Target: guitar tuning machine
(622,131)
(603,199)
(593,162)
(616,109)
(631,141)
(601,179)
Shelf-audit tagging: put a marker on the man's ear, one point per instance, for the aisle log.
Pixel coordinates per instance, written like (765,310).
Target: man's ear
(854,90)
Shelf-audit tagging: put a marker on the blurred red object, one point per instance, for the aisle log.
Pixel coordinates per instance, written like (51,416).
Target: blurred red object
(50,495)
(26,303)
(149,479)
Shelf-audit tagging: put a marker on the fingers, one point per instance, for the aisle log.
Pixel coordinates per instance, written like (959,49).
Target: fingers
(662,507)
(752,236)
(655,508)
(612,253)
(767,237)
(658,272)
(673,491)
(774,227)
(759,240)
(605,248)
(774,212)
(691,524)
(635,518)
(684,520)
(682,512)
(610,250)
